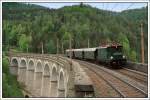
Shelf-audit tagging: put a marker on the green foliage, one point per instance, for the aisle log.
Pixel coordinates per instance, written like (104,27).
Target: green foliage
(5,65)
(24,42)
(11,87)
(122,38)
(133,56)
(33,25)
(51,48)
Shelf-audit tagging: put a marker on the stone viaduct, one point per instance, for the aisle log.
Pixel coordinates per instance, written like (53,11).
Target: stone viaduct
(43,75)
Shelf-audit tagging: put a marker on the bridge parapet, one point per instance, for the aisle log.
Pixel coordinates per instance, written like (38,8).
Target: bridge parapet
(48,75)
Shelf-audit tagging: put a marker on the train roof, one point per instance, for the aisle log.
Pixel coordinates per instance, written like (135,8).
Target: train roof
(70,50)
(78,50)
(83,49)
(93,49)
(89,49)
(111,45)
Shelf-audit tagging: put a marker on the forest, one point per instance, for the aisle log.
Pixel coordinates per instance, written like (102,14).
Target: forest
(26,27)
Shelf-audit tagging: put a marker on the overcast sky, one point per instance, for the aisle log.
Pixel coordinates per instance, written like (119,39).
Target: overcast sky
(106,6)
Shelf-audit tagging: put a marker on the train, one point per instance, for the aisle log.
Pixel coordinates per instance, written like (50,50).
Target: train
(107,54)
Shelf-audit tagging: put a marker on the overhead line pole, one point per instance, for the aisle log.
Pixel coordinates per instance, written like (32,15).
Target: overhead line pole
(142,44)
(42,48)
(57,48)
(70,46)
(88,43)
(27,49)
(142,37)
(62,47)
(71,53)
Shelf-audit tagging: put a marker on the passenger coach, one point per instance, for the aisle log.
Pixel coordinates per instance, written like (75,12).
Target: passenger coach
(109,54)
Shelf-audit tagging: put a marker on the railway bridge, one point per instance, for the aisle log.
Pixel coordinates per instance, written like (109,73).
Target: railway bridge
(43,75)
(47,75)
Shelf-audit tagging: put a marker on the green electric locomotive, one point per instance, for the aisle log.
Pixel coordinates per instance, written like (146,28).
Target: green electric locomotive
(112,55)
(108,54)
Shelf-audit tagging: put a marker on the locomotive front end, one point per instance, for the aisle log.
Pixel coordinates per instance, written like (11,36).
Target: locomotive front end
(116,56)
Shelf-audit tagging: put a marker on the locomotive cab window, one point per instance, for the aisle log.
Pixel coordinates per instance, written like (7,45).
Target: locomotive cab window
(115,49)
(115,52)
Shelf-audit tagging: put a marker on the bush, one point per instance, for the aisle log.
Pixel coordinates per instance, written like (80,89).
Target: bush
(11,87)
(5,65)
(133,56)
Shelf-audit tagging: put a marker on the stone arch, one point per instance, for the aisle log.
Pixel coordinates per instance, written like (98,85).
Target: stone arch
(61,84)
(22,71)
(23,63)
(14,66)
(54,73)
(46,71)
(30,74)
(38,67)
(38,77)
(14,62)
(61,80)
(31,64)
(54,81)
(45,92)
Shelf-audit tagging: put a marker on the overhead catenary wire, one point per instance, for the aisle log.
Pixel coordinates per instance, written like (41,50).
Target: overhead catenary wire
(129,6)
(107,6)
(115,5)
(142,37)
(111,9)
(103,6)
(102,9)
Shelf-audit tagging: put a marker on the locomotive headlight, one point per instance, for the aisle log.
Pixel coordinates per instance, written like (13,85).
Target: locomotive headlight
(124,56)
(111,57)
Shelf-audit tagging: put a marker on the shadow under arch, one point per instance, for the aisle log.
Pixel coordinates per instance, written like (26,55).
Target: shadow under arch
(38,78)
(23,63)
(30,74)
(45,92)
(22,71)
(54,81)
(61,85)
(31,65)
(38,67)
(14,64)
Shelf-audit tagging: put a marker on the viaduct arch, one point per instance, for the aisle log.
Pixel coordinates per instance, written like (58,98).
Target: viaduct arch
(43,78)
(48,75)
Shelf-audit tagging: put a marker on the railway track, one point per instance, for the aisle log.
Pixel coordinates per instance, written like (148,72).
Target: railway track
(101,87)
(124,86)
(135,75)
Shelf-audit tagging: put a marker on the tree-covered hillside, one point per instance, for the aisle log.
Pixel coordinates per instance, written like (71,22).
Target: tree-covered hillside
(26,27)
